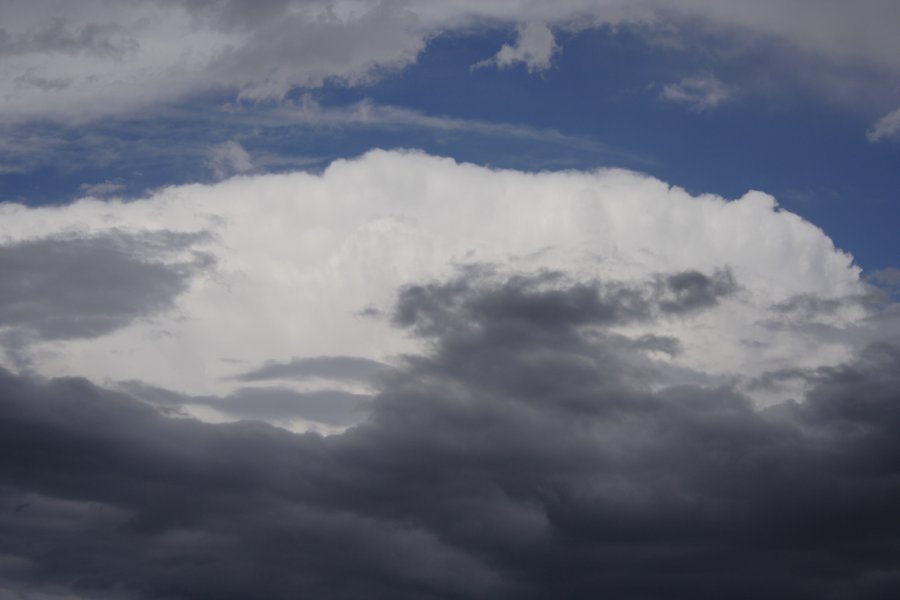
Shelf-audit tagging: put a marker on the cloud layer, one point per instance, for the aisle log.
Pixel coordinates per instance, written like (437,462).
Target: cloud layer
(99,58)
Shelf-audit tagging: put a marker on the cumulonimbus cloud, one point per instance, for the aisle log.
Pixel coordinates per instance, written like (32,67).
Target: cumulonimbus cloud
(485,384)
(296,264)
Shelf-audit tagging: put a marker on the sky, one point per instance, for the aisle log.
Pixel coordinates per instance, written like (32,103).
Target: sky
(449,299)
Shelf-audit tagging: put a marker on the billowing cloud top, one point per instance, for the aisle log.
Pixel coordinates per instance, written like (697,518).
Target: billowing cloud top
(276,267)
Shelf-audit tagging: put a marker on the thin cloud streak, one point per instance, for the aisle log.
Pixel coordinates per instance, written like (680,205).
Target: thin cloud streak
(242,138)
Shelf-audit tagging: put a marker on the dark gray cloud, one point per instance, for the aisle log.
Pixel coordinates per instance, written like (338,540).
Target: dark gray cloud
(529,454)
(334,368)
(538,301)
(82,287)
(811,307)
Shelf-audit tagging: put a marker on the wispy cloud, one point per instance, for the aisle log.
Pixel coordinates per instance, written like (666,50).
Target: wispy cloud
(885,128)
(249,137)
(368,113)
(699,93)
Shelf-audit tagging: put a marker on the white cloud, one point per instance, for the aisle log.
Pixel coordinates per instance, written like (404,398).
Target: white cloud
(104,188)
(228,158)
(698,93)
(887,127)
(298,256)
(534,47)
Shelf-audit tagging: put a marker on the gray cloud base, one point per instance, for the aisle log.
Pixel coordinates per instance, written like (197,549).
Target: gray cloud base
(532,453)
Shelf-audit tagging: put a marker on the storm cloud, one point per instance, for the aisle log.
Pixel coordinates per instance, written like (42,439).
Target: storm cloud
(531,452)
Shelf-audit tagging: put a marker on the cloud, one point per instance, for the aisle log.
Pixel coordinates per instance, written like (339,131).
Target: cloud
(229,158)
(885,128)
(335,368)
(295,259)
(322,410)
(888,276)
(81,63)
(527,453)
(534,47)
(425,307)
(697,93)
(104,188)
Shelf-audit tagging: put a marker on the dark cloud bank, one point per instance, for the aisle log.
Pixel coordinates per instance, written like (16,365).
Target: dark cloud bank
(531,453)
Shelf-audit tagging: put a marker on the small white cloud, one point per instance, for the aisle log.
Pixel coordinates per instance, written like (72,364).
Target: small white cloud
(100,189)
(698,93)
(534,47)
(228,158)
(887,127)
